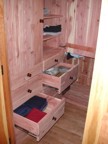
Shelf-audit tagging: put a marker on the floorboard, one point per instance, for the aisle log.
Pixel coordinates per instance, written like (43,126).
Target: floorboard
(78,95)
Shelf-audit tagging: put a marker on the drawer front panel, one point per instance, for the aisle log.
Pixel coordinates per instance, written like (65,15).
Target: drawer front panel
(53,61)
(51,81)
(24,77)
(69,78)
(30,88)
(26,124)
(34,85)
(51,121)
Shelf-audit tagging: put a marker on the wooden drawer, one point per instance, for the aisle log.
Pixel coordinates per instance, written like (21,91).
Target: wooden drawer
(63,81)
(30,88)
(17,82)
(54,110)
(51,61)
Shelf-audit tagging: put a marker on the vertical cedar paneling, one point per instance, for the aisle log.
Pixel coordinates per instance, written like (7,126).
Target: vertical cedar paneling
(82,29)
(98,101)
(81,21)
(93,23)
(85,70)
(83,17)
(24,34)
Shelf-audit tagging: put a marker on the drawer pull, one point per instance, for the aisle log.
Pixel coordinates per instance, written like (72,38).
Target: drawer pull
(29,91)
(54,118)
(71,78)
(56,60)
(29,74)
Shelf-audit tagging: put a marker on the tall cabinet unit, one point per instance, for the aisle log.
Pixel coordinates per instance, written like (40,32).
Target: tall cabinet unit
(24,32)
(24,39)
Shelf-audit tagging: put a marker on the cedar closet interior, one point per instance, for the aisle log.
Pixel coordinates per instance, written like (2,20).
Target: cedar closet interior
(37,59)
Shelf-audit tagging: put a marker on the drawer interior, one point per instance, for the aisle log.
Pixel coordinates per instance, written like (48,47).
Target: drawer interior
(53,105)
(58,70)
(60,76)
(50,103)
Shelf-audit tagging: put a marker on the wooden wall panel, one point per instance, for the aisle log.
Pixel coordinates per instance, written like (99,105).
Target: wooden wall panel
(103,136)
(85,70)
(24,34)
(98,102)
(82,22)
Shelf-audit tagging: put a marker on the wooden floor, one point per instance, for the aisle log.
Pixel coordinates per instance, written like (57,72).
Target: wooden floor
(78,95)
(69,129)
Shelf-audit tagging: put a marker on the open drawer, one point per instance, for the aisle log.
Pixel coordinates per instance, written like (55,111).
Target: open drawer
(60,76)
(54,110)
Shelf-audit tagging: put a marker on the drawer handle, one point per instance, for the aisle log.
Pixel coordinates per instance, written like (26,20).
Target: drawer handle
(29,74)
(71,78)
(56,60)
(54,118)
(29,91)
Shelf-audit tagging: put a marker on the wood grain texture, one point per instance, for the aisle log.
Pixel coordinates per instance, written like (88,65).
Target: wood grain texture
(3,120)
(82,22)
(32,87)
(24,35)
(52,56)
(98,102)
(85,69)
(79,23)
(78,94)
(81,50)
(86,66)
(103,136)
(5,98)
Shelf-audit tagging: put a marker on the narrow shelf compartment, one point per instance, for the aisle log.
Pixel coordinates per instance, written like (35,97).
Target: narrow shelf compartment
(50,16)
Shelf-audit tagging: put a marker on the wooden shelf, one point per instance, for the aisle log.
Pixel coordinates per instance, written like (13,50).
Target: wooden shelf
(52,16)
(48,36)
